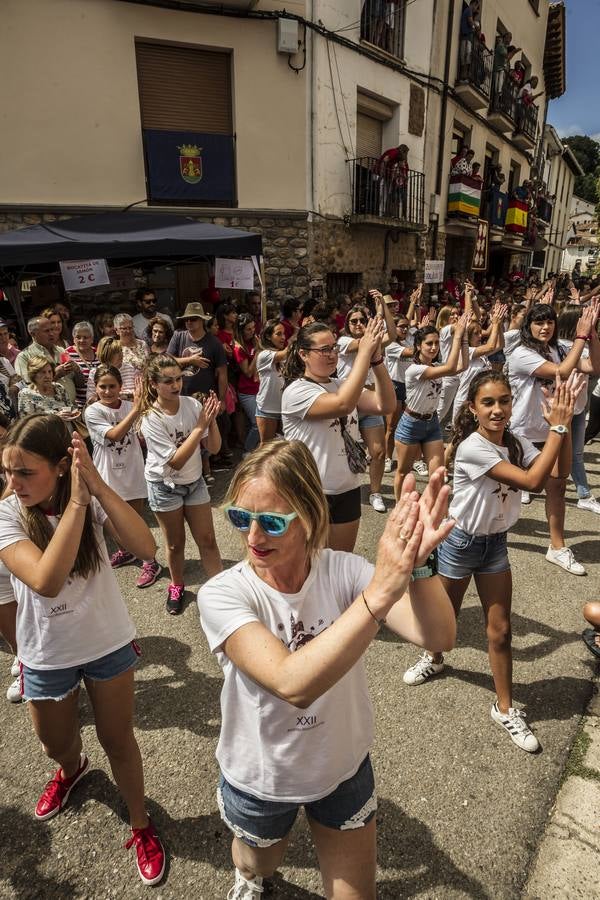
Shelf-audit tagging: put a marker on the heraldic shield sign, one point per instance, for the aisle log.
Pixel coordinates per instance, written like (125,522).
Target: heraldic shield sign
(190,163)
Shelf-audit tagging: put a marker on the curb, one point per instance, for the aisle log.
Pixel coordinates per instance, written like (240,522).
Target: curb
(567,864)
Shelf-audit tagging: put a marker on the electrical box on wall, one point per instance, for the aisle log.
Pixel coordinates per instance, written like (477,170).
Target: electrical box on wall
(287,36)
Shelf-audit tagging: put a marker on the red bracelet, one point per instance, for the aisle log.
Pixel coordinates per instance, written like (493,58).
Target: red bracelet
(580,337)
(376,362)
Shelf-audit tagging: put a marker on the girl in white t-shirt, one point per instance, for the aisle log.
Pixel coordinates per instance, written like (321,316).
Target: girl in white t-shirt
(532,368)
(371,428)
(446,320)
(268,366)
(419,428)
(175,429)
(289,626)
(117,454)
(72,622)
(398,355)
(491,467)
(322,412)
(478,354)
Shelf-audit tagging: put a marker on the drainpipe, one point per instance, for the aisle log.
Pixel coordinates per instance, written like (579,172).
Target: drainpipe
(443,115)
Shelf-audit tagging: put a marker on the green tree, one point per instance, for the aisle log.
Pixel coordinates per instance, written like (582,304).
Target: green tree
(587,153)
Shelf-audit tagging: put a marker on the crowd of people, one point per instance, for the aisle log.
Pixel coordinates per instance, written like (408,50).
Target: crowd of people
(485,388)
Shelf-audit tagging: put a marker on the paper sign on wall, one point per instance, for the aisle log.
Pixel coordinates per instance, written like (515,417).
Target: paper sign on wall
(236,274)
(78,274)
(434,271)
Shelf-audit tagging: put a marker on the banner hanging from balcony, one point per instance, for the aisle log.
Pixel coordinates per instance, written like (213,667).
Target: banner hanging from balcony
(480,254)
(464,196)
(190,167)
(516,216)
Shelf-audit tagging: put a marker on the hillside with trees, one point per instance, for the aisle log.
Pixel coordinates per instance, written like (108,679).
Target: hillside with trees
(587,151)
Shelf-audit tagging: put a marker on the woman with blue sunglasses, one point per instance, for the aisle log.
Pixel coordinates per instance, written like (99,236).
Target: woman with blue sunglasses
(289,626)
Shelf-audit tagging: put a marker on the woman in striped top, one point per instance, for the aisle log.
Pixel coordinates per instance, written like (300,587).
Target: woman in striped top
(82,352)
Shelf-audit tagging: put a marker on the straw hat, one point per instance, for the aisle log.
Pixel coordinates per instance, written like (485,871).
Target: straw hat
(194,311)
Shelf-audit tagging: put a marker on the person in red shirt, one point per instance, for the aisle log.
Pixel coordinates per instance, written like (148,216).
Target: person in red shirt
(245,353)
(226,319)
(291,314)
(392,167)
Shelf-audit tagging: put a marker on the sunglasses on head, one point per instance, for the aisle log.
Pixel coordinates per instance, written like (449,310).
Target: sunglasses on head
(273,524)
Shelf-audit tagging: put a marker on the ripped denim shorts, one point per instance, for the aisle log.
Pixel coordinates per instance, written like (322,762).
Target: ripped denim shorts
(262,823)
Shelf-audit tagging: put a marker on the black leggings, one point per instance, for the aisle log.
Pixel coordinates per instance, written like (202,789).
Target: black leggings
(593,425)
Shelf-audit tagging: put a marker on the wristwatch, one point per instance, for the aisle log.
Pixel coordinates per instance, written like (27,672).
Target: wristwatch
(559,429)
(428,570)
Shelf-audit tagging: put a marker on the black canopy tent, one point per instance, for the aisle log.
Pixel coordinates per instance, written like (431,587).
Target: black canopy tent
(126,235)
(133,236)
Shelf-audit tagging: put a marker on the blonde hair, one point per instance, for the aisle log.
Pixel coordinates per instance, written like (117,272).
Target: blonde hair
(291,468)
(152,369)
(35,364)
(107,347)
(443,317)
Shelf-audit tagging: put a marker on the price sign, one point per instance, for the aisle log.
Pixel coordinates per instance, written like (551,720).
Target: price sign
(234,273)
(78,274)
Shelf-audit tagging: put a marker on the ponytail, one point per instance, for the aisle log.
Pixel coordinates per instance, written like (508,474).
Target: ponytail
(293,367)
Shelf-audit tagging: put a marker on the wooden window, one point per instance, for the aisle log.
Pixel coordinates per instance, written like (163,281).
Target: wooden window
(369,136)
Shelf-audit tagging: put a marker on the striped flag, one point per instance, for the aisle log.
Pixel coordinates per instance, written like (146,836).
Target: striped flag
(464,195)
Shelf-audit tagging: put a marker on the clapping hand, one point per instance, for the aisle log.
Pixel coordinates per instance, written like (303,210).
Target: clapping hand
(210,410)
(433,513)
(85,478)
(558,410)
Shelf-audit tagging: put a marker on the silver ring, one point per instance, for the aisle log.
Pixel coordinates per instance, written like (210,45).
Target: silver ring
(404,537)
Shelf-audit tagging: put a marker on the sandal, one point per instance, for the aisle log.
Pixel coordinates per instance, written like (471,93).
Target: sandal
(589,636)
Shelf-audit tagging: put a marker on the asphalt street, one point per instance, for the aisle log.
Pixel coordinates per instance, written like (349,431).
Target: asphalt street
(461,809)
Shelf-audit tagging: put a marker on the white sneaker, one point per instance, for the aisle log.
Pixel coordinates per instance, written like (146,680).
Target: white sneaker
(15,669)
(423,669)
(421,468)
(376,501)
(514,723)
(244,889)
(387,467)
(525,498)
(13,693)
(589,503)
(565,559)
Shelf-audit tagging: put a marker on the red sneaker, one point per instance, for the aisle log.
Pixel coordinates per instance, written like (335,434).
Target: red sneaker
(56,793)
(151,858)
(121,558)
(151,572)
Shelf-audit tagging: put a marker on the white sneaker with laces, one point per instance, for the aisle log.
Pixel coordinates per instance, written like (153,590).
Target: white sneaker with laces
(387,466)
(244,889)
(421,468)
(565,559)
(525,498)
(13,694)
(589,503)
(15,669)
(423,669)
(514,723)
(376,501)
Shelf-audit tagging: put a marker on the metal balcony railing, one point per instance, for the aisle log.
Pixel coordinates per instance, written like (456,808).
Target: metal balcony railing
(382,24)
(526,118)
(475,64)
(503,95)
(383,193)
(544,209)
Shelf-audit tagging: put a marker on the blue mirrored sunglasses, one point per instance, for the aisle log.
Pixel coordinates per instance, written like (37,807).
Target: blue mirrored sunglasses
(273,524)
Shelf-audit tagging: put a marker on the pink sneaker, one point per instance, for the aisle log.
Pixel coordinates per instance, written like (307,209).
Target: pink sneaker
(175,598)
(56,793)
(151,858)
(151,572)
(121,558)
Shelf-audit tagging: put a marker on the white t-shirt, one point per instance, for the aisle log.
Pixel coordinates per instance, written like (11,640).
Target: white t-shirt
(466,377)
(268,747)
(581,402)
(323,437)
(140,323)
(446,339)
(527,419)
(512,339)
(394,362)
(86,620)
(422,394)
(164,434)
(120,463)
(270,389)
(482,505)
(346,360)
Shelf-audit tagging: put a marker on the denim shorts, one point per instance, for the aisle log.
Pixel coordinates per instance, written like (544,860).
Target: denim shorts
(259,414)
(262,823)
(400,389)
(462,554)
(167,497)
(56,684)
(418,431)
(370,421)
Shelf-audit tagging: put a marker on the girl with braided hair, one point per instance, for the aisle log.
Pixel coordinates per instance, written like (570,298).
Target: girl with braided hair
(491,468)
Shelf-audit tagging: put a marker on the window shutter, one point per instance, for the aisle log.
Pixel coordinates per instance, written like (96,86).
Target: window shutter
(184,89)
(369,135)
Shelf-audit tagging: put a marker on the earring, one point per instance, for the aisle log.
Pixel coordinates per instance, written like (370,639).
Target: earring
(475,417)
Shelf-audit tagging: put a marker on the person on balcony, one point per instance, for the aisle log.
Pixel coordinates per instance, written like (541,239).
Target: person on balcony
(475,172)
(468,29)
(462,163)
(525,100)
(392,168)
(503,53)
(517,73)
